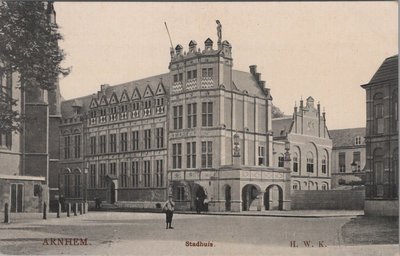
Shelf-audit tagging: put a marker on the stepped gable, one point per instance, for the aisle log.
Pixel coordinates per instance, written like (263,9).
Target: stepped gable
(141,84)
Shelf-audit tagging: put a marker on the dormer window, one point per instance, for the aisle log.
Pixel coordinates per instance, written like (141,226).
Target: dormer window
(160,102)
(357,140)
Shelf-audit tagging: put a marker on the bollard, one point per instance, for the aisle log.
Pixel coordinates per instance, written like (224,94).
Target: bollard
(59,210)
(44,211)
(6,213)
(75,209)
(81,208)
(86,207)
(68,209)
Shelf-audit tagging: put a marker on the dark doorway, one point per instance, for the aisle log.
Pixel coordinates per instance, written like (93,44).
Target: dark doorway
(273,198)
(16,197)
(228,198)
(249,194)
(112,190)
(201,195)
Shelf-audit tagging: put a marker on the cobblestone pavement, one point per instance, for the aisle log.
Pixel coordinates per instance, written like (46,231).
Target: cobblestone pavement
(113,233)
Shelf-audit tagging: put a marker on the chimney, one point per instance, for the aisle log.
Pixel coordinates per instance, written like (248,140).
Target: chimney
(51,13)
(104,87)
(253,69)
(301,103)
(262,84)
(257,76)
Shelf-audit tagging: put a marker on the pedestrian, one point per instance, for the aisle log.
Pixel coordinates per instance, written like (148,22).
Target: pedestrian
(169,211)
(197,203)
(205,204)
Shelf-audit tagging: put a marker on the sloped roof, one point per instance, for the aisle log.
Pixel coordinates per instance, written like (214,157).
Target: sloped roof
(346,137)
(387,71)
(246,81)
(141,84)
(281,126)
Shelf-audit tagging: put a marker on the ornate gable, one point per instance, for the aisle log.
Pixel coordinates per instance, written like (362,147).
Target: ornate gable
(160,89)
(136,94)
(124,97)
(113,99)
(93,103)
(148,92)
(103,101)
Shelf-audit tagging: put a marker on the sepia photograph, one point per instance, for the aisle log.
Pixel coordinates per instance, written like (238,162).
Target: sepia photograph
(199,128)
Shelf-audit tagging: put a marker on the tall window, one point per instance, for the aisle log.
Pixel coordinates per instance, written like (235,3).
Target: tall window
(77,184)
(67,182)
(295,162)
(378,113)
(177,156)
(113,169)
(357,160)
(160,137)
(281,161)
(192,74)
(123,177)
(261,155)
(113,143)
(77,146)
(146,173)
(103,144)
(310,162)
(135,140)
(124,141)
(207,114)
(93,145)
(102,175)
(178,117)
(180,193)
(192,115)
(135,174)
(324,165)
(158,182)
(191,155)
(67,144)
(92,175)
(206,154)
(207,72)
(342,162)
(147,139)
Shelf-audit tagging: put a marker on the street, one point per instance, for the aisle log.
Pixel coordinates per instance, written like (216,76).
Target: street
(116,233)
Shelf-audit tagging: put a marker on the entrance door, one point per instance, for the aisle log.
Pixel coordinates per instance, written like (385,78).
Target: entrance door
(112,197)
(228,198)
(17,191)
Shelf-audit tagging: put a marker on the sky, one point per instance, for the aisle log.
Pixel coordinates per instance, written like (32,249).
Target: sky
(321,49)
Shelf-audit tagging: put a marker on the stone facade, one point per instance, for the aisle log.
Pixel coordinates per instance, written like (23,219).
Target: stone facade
(175,134)
(348,157)
(306,137)
(382,141)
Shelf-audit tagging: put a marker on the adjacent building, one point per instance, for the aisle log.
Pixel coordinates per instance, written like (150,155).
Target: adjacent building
(27,157)
(306,136)
(382,140)
(348,157)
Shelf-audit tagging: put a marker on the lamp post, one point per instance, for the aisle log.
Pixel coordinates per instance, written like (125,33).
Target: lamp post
(85,172)
(353,169)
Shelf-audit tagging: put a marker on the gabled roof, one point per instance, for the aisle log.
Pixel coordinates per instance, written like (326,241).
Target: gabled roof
(246,81)
(387,71)
(282,126)
(346,137)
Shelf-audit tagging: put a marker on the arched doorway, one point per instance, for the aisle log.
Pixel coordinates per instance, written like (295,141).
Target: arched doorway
(249,197)
(273,198)
(228,198)
(200,194)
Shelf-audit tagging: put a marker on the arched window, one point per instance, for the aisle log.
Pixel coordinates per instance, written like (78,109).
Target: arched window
(295,162)
(324,164)
(296,185)
(281,160)
(324,186)
(310,162)
(378,114)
